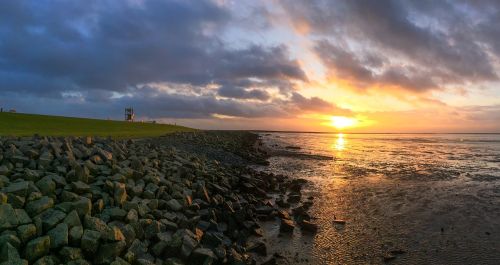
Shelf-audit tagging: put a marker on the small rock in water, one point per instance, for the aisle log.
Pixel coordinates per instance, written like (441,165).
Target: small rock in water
(339,222)
(286,226)
(309,226)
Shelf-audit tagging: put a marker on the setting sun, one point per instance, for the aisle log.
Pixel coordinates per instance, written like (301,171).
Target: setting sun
(341,122)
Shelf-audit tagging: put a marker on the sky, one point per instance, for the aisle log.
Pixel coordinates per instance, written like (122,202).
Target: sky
(302,65)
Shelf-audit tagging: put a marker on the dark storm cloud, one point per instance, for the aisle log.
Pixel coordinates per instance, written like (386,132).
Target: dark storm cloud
(50,47)
(445,41)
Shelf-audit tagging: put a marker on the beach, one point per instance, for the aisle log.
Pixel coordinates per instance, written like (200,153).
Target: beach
(405,198)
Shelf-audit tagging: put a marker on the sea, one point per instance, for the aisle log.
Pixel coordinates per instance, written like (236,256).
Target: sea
(405,198)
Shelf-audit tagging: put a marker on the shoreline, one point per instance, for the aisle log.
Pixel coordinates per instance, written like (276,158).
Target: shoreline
(183,198)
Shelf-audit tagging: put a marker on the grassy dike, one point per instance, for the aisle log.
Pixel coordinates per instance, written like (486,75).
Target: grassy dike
(19,124)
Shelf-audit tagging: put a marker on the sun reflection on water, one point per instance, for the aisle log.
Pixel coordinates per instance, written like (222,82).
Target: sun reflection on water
(340,142)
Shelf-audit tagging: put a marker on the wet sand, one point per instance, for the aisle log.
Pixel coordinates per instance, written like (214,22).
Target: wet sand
(405,201)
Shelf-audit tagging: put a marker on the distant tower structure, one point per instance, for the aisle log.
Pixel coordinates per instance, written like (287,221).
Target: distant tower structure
(129,114)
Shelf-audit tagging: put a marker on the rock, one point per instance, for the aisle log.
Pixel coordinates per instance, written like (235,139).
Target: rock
(80,187)
(47,260)
(51,218)
(174,205)
(83,206)
(120,194)
(258,247)
(269,261)
(132,216)
(202,256)
(82,174)
(71,254)
(19,188)
(293,198)
(113,234)
(16,201)
(286,226)
(10,238)
(115,213)
(37,206)
(46,185)
(188,245)
(108,252)
(90,241)
(264,210)
(308,226)
(10,256)
(339,222)
(26,232)
(37,248)
(8,217)
(72,219)
(119,261)
(22,216)
(58,236)
(75,235)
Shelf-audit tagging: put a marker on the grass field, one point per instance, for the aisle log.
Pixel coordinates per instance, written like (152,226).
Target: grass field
(18,124)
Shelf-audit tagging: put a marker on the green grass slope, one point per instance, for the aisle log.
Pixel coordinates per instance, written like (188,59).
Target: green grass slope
(18,124)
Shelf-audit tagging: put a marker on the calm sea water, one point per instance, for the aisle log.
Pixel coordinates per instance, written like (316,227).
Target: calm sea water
(435,197)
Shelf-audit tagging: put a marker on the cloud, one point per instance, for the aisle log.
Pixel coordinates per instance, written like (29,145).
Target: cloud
(424,44)
(109,45)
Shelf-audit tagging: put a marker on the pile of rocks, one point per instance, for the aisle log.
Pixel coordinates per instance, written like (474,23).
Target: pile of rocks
(103,201)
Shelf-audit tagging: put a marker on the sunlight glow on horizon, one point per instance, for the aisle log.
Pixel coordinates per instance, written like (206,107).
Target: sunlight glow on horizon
(341,122)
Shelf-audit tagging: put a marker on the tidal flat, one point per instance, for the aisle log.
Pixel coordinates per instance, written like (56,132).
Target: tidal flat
(401,198)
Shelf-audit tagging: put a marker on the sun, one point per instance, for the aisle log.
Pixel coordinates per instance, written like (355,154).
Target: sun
(341,122)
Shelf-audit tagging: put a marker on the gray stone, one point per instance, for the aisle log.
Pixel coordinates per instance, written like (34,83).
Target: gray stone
(16,201)
(80,187)
(90,240)
(10,238)
(120,193)
(72,219)
(188,245)
(37,206)
(8,217)
(22,216)
(47,260)
(58,236)
(286,226)
(119,261)
(83,206)
(10,256)
(82,174)
(71,254)
(46,185)
(113,234)
(19,188)
(202,256)
(26,232)
(51,218)
(132,216)
(108,252)
(75,235)
(115,213)
(37,248)
(174,205)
